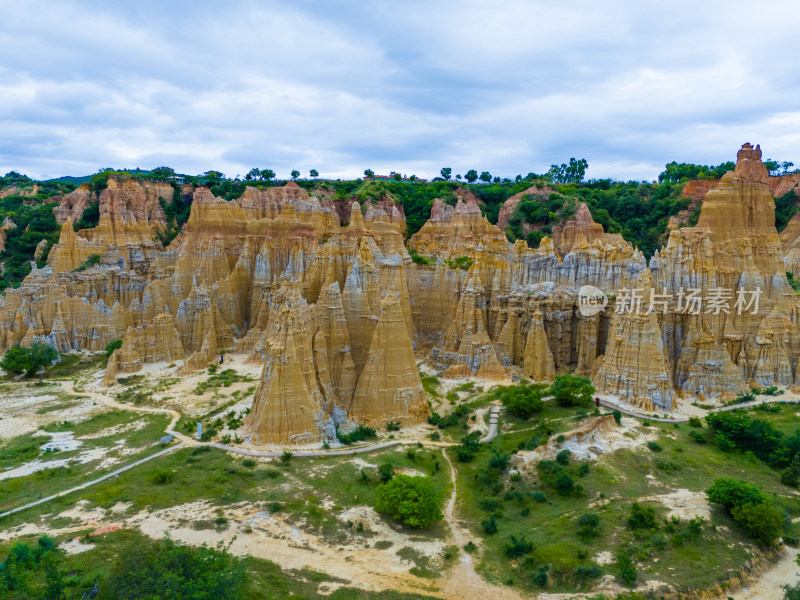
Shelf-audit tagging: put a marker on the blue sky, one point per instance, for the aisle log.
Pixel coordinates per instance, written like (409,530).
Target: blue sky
(340,86)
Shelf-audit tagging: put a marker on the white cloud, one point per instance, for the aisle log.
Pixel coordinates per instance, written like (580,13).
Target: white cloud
(509,87)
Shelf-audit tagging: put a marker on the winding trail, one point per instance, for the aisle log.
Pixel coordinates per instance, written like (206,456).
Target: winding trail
(630,413)
(462,581)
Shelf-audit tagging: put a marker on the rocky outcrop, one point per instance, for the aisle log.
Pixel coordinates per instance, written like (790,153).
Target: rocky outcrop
(340,314)
(73,204)
(634,366)
(580,230)
(389,387)
(157,341)
(733,262)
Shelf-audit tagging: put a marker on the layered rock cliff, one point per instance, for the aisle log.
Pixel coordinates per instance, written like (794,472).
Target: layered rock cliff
(328,298)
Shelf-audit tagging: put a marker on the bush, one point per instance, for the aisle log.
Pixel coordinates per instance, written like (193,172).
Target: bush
(414,501)
(695,422)
(584,572)
(642,518)
(654,446)
(791,475)
(538,497)
(147,569)
(627,569)
(393,426)
(748,506)
(28,360)
(489,526)
(386,472)
(360,433)
(111,346)
(522,400)
(617,416)
(572,390)
(763,522)
(563,457)
(733,492)
(565,485)
(697,437)
(92,259)
(589,525)
(515,548)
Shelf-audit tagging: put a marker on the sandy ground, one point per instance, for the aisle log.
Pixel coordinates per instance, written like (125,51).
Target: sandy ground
(768,586)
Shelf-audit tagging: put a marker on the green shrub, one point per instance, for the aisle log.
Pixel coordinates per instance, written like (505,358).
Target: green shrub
(386,472)
(763,522)
(18,359)
(489,526)
(414,501)
(522,400)
(586,572)
(627,569)
(147,569)
(92,259)
(654,446)
(112,346)
(589,525)
(572,390)
(642,518)
(563,457)
(695,422)
(360,433)
(516,548)
(617,416)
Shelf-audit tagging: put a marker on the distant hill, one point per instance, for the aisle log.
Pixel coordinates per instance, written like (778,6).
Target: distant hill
(70,179)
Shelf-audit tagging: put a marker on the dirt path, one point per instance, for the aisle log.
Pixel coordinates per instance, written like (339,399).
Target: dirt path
(768,586)
(462,581)
(630,413)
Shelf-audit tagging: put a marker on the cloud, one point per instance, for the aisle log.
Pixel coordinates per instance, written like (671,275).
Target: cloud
(510,86)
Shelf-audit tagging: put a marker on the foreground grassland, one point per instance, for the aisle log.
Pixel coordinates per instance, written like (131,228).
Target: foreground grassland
(530,508)
(521,533)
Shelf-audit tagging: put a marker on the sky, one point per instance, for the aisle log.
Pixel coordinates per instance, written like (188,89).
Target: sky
(340,86)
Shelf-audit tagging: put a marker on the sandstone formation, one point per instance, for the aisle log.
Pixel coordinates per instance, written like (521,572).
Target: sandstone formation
(327,297)
(73,204)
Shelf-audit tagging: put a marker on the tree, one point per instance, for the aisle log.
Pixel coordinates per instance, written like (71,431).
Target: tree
(214,176)
(446,173)
(791,475)
(572,390)
(397,176)
(295,173)
(111,346)
(414,501)
(486,177)
(523,400)
(369,174)
(313,173)
(167,569)
(733,492)
(253,174)
(162,172)
(763,522)
(471,176)
(568,173)
(28,360)
(267,174)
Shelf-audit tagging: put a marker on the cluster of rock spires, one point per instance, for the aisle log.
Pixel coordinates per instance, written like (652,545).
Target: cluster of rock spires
(339,314)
